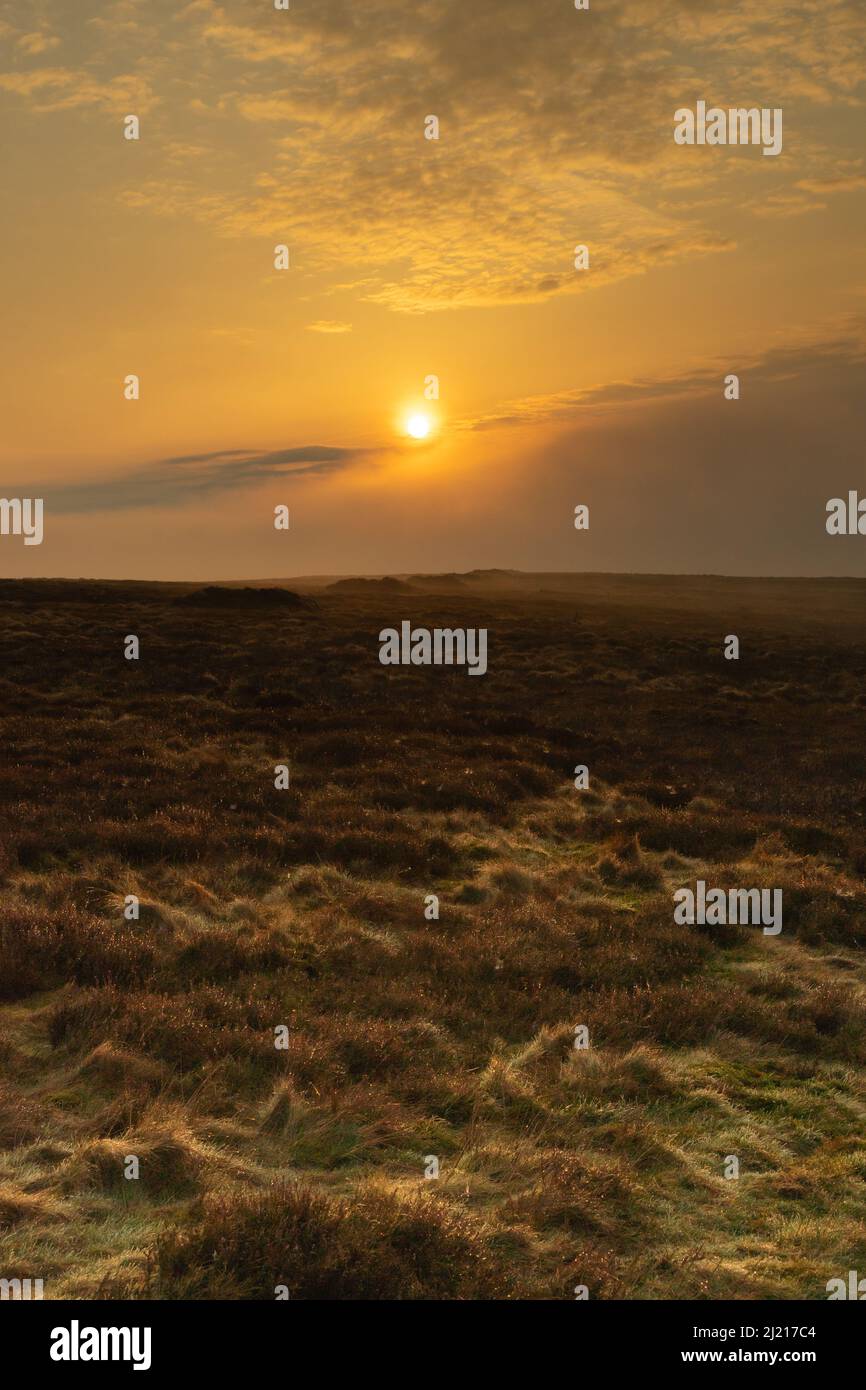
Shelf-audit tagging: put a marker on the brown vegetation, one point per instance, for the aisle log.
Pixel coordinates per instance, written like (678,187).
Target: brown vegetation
(410,1037)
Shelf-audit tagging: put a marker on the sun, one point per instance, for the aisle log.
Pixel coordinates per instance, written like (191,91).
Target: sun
(418,426)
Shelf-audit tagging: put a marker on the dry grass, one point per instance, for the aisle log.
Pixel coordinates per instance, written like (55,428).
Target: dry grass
(411,1037)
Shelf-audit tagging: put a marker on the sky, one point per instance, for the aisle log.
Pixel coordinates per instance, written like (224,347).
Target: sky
(412,257)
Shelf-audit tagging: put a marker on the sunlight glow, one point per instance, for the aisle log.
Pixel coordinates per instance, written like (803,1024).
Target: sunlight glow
(418,426)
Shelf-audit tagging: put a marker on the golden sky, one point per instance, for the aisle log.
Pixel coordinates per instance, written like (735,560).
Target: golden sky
(411,257)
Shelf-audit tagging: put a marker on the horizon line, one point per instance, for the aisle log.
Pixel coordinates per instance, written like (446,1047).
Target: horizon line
(328,575)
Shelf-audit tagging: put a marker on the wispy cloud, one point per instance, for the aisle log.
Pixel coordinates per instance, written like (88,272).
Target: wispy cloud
(175,482)
(329,326)
(37,42)
(836,351)
(62,89)
(561,135)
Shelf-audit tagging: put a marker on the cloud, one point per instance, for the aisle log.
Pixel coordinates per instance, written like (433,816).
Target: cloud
(329,326)
(63,89)
(175,482)
(834,352)
(556,129)
(36,43)
(834,183)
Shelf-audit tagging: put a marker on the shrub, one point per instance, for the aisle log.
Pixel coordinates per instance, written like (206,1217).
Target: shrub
(322,1247)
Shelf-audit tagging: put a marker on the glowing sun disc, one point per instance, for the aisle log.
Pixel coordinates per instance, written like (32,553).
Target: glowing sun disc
(418,426)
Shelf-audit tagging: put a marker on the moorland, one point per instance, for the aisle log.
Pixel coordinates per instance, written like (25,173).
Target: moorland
(411,1036)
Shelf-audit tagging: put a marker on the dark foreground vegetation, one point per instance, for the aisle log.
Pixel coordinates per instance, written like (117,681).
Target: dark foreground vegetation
(412,1038)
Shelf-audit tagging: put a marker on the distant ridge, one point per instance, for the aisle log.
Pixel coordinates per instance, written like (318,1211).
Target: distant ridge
(470,581)
(370,586)
(213,596)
